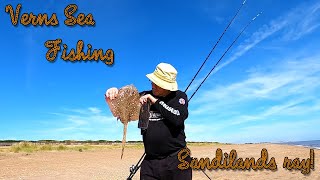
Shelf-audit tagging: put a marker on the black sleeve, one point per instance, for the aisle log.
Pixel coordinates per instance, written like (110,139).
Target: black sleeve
(175,111)
(144,93)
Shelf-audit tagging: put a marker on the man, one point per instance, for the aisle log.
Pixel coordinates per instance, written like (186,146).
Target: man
(165,135)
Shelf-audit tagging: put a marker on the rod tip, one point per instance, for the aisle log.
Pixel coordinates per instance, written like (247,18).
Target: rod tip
(256,16)
(244,2)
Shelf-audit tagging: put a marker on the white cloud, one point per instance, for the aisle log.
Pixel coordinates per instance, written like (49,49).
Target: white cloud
(283,95)
(292,26)
(94,110)
(87,123)
(304,20)
(285,110)
(268,132)
(280,131)
(292,78)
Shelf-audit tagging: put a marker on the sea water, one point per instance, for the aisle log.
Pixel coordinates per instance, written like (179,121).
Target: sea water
(311,144)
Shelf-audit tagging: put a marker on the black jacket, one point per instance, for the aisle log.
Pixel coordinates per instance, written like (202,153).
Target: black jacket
(165,134)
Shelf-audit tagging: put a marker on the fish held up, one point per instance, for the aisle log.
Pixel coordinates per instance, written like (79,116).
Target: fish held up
(125,107)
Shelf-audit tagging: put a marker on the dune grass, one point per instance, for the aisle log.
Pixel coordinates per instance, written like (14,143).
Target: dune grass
(29,147)
(203,143)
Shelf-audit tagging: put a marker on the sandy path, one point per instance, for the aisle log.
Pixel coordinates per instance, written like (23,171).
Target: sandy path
(106,163)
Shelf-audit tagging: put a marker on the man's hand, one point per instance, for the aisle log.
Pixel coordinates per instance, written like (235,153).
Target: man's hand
(144,99)
(111,93)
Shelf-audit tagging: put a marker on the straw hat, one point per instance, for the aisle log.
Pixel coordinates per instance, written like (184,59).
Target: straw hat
(164,76)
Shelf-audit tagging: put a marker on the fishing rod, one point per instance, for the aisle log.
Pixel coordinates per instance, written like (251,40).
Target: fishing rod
(224,54)
(135,168)
(218,63)
(215,44)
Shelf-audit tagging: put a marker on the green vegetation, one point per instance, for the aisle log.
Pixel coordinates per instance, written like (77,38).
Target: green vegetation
(30,147)
(72,145)
(23,146)
(203,143)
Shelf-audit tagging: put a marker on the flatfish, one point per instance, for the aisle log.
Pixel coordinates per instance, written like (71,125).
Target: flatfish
(126,107)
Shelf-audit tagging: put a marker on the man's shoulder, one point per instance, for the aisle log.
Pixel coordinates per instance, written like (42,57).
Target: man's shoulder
(181,97)
(181,93)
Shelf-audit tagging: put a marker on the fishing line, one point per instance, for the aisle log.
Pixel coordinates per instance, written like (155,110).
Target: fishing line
(224,55)
(215,44)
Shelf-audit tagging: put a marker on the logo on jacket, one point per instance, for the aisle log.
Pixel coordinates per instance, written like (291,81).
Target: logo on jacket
(182,101)
(155,116)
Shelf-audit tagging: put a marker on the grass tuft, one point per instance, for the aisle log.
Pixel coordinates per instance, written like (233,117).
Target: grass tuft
(29,147)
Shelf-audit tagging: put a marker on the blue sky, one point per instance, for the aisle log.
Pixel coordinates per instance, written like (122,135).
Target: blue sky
(264,90)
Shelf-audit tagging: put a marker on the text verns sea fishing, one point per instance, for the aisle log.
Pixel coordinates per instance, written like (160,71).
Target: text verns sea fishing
(54,46)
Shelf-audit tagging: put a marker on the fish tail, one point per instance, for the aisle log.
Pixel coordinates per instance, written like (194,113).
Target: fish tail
(124,137)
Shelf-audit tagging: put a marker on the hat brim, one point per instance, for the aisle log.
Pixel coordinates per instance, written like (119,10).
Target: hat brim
(163,84)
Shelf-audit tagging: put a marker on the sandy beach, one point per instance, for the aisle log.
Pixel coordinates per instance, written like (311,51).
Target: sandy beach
(106,163)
